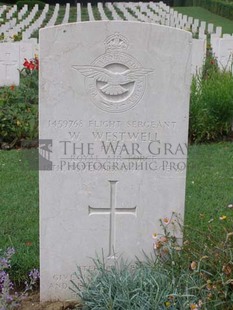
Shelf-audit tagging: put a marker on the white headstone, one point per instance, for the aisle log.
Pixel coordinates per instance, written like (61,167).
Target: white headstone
(226,35)
(219,31)
(194,28)
(113,129)
(26,50)
(203,25)
(214,41)
(196,22)
(190,20)
(9,64)
(79,17)
(225,59)
(201,33)
(198,55)
(210,28)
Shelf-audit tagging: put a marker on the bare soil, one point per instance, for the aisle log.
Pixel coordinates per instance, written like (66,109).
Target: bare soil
(32,302)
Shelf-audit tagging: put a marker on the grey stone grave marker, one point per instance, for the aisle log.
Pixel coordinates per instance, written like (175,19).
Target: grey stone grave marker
(115,114)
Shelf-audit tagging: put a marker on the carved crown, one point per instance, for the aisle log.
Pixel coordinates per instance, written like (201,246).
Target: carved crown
(116,42)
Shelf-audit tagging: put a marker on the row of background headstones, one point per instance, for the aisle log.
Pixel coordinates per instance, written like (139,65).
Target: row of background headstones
(13,54)
(146,12)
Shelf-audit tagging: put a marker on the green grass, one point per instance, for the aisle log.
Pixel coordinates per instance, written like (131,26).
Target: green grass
(96,13)
(73,14)
(205,15)
(19,212)
(61,14)
(209,184)
(48,16)
(84,14)
(119,12)
(209,191)
(108,13)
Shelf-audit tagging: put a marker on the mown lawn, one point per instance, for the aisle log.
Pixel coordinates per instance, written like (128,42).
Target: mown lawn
(209,189)
(19,212)
(209,192)
(204,15)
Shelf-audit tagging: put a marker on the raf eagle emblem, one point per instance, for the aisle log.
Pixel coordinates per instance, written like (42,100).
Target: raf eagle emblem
(114,81)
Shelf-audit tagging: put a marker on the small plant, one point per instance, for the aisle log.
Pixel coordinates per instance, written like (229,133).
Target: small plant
(29,80)
(211,64)
(8,298)
(17,37)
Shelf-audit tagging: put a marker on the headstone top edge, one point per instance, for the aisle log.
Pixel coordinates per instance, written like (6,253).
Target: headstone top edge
(108,22)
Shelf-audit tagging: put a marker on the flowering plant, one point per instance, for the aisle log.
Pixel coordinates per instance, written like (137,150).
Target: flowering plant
(29,79)
(210,65)
(32,64)
(206,260)
(168,244)
(5,284)
(8,300)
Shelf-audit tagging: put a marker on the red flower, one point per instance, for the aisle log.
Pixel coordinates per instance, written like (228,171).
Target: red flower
(12,87)
(26,63)
(32,64)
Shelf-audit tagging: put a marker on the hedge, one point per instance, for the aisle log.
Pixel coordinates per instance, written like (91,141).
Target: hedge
(30,4)
(219,7)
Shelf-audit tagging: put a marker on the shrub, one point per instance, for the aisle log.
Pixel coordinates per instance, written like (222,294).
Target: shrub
(178,2)
(220,7)
(211,103)
(144,286)
(19,108)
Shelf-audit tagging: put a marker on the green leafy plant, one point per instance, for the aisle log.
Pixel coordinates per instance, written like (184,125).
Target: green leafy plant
(211,103)
(211,64)
(19,108)
(17,37)
(194,275)
(29,81)
(141,286)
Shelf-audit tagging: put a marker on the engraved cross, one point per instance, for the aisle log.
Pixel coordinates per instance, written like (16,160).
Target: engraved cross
(112,211)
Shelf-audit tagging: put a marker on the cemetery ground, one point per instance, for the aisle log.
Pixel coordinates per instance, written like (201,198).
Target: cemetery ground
(208,218)
(198,275)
